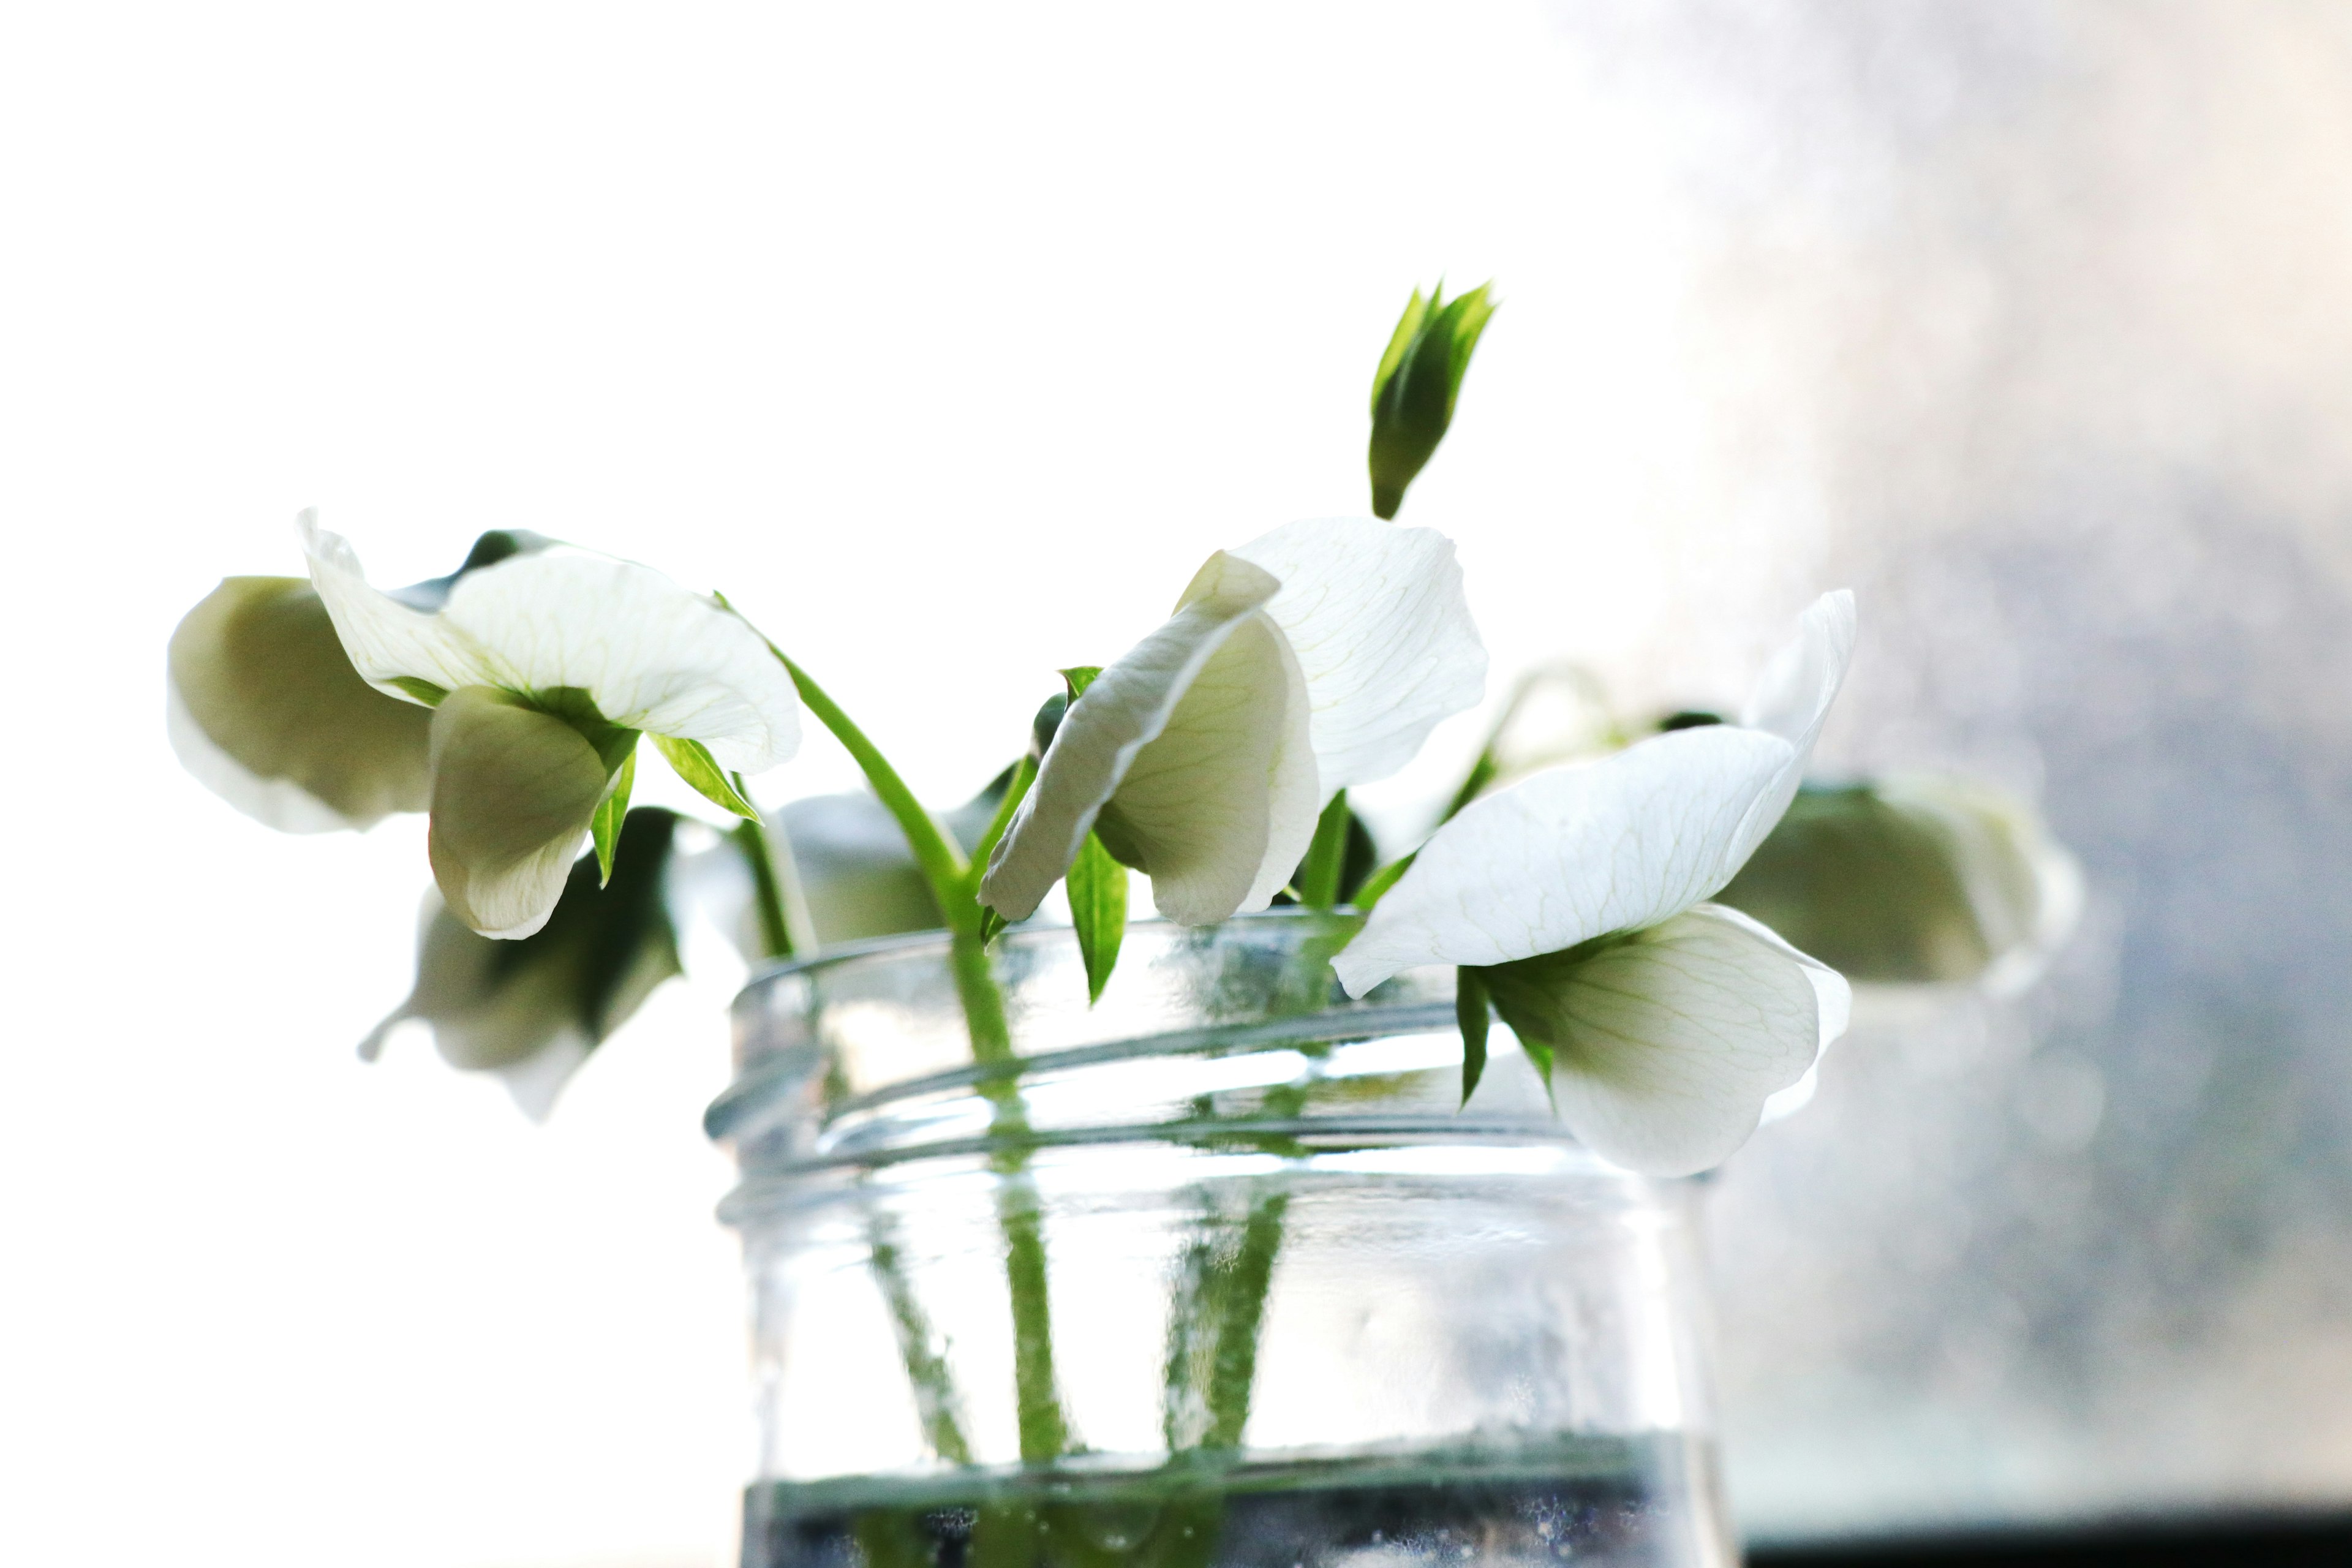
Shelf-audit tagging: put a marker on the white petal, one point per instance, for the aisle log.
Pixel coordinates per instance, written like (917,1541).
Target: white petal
(264,709)
(650,655)
(653,655)
(1793,698)
(1220,808)
(1130,703)
(1608,845)
(1384,634)
(280,803)
(386,639)
(513,791)
(1668,1044)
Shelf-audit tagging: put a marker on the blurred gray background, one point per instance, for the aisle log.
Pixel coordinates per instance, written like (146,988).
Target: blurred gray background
(2049,306)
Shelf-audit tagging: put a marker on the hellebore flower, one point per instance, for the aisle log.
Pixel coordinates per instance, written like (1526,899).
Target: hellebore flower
(542,669)
(1915,880)
(531,1011)
(1313,658)
(263,708)
(1576,900)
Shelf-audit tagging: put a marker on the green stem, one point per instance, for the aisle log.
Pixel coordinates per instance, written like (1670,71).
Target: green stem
(1326,857)
(786,929)
(1232,1373)
(1381,880)
(942,864)
(1044,1430)
(935,1394)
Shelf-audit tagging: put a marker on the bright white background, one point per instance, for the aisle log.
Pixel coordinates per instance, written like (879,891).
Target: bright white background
(947,340)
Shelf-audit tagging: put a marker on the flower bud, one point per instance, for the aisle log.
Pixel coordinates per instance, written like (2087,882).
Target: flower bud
(1414,389)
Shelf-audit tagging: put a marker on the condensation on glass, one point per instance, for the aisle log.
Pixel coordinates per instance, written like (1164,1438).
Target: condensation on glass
(1473,1336)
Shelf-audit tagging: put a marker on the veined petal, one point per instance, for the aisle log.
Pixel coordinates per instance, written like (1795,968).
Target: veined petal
(1666,1044)
(513,791)
(385,640)
(1220,807)
(265,710)
(1377,617)
(1792,698)
(1128,706)
(1626,841)
(651,656)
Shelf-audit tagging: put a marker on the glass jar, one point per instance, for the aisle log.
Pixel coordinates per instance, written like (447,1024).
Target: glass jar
(1217,1270)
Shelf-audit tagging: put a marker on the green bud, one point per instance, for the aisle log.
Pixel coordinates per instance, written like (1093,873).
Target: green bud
(531,1010)
(1914,880)
(1414,390)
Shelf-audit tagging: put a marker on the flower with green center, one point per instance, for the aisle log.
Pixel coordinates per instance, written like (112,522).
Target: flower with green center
(1313,658)
(1576,899)
(542,670)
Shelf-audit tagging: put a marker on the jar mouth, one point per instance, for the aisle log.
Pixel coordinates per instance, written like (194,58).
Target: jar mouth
(1214,1039)
(902,945)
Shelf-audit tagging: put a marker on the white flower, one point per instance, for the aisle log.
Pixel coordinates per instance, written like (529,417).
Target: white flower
(1311,659)
(542,669)
(1579,895)
(1915,878)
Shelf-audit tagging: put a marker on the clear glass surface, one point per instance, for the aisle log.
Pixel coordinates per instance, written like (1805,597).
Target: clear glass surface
(1216,1270)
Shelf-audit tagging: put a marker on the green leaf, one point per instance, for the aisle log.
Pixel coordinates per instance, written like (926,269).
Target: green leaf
(1098,890)
(425,692)
(692,760)
(605,826)
(1326,857)
(1417,385)
(1470,1010)
(1378,884)
(992,925)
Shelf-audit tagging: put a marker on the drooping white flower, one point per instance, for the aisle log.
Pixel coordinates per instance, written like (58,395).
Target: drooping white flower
(1314,658)
(1579,898)
(542,669)
(1915,878)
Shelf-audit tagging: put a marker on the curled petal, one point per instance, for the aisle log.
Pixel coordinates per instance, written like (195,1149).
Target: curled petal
(1126,709)
(513,792)
(1576,853)
(264,709)
(649,654)
(1667,1043)
(1220,807)
(1792,698)
(1382,632)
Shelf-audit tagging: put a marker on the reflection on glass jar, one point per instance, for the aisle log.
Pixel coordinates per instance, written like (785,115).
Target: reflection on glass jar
(1212,1272)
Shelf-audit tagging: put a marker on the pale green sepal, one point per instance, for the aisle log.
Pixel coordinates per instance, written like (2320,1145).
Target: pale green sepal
(514,793)
(605,827)
(692,761)
(265,710)
(1096,886)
